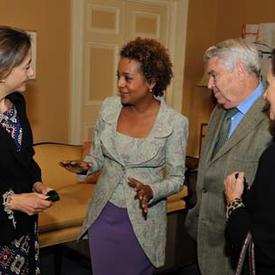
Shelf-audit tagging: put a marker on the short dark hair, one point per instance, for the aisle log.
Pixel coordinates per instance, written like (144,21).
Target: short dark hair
(154,59)
(14,46)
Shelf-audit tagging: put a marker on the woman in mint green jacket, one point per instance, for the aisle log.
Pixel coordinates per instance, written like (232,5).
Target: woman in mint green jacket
(137,137)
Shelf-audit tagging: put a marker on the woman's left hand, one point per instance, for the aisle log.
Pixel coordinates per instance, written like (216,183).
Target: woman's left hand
(144,193)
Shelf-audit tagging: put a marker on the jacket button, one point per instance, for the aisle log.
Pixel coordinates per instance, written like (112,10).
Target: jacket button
(204,190)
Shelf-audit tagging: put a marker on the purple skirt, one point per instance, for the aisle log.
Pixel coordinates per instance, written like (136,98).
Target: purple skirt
(114,247)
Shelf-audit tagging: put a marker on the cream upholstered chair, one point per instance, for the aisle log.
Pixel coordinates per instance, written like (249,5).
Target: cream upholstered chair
(61,223)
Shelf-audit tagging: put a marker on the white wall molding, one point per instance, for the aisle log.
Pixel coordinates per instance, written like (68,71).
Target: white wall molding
(77,47)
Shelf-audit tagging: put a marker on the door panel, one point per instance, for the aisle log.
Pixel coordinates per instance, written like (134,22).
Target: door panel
(106,26)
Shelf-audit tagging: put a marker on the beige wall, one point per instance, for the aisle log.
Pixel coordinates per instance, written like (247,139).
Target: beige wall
(210,21)
(201,32)
(48,95)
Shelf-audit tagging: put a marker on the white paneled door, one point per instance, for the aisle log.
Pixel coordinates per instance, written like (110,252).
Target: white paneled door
(99,29)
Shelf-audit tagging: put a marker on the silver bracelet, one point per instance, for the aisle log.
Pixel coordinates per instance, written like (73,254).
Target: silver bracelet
(6,201)
(235,204)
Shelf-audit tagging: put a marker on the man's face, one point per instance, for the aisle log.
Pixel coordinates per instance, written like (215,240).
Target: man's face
(224,83)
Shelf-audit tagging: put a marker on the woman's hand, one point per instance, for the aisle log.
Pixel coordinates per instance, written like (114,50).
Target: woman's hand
(42,188)
(29,203)
(234,187)
(144,193)
(75,166)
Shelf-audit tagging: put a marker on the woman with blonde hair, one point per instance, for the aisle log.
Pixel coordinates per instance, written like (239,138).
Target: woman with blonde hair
(22,193)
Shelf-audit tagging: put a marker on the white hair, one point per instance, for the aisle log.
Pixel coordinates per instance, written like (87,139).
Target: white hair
(233,51)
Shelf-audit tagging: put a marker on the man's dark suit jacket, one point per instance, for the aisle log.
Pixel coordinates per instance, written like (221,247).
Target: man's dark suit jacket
(18,172)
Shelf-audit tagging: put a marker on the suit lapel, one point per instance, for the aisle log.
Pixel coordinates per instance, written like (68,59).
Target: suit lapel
(212,132)
(109,115)
(151,144)
(161,129)
(253,117)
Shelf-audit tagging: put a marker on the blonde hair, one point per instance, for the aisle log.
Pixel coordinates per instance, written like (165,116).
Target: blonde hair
(14,46)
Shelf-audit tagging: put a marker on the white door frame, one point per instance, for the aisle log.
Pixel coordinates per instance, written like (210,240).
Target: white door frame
(177,44)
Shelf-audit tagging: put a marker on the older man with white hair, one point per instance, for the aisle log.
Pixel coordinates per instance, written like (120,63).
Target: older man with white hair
(238,132)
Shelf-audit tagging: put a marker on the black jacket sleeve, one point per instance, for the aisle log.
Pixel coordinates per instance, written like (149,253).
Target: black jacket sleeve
(258,215)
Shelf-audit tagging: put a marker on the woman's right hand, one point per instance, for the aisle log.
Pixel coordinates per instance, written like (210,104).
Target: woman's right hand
(234,186)
(75,166)
(29,203)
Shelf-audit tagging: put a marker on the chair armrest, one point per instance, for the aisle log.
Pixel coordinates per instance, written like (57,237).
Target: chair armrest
(176,202)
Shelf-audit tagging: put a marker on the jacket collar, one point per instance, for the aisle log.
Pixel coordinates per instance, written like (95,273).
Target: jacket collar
(253,117)
(161,127)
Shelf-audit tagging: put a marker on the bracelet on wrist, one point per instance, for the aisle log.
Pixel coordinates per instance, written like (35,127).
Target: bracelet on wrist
(233,205)
(7,198)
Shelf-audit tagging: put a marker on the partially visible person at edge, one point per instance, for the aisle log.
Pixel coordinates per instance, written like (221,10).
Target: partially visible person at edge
(255,210)
(233,68)
(22,193)
(137,136)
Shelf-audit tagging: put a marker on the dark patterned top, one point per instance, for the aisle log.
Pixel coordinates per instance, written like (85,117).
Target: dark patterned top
(10,122)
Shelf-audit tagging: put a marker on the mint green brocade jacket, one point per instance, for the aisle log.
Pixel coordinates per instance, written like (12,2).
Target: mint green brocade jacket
(164,147)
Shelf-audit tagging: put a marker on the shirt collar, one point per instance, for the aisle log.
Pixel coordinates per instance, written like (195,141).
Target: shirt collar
(244,106)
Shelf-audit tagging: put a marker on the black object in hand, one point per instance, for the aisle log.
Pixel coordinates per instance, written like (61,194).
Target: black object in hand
(246,187)
(53,196)
(74,166)
(244,180)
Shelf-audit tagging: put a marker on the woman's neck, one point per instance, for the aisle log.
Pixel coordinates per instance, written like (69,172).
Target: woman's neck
(146,105)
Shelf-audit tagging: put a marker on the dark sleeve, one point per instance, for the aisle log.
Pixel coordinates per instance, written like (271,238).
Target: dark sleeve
(258,214)
(238,224)
(33,166)
(36,171)
(27,148)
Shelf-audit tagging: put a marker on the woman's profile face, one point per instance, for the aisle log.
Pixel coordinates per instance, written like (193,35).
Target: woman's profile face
(16,80)
(131,83)
(269,94)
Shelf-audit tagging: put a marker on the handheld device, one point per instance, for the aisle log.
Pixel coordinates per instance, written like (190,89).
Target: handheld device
(53,196)
(246,186)
(75,166)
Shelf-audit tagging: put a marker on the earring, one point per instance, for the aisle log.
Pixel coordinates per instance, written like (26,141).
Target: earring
(150,90)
